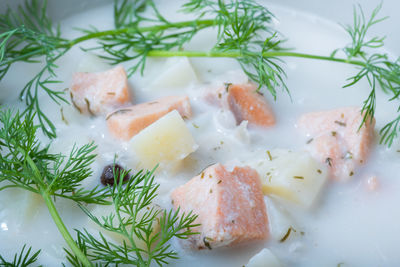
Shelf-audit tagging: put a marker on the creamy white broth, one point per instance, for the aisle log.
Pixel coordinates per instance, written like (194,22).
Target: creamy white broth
(349,224)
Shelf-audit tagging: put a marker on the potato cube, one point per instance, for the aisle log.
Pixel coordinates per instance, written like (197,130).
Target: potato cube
(294,176)
(280,221)
(176,72)
(264,258)
(165,142)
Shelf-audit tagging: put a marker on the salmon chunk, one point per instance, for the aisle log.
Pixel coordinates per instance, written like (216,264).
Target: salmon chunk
(337,140)
(100,92)
(229,205)
(127,122)
(245,103)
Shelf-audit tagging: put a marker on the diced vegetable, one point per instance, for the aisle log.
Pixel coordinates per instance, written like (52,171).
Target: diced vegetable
(91,62)
(264,258)
(294,176)
(176,72)
(166,142)
(280,221)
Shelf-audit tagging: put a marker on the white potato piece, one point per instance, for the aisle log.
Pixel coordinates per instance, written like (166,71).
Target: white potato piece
(165,142)
(264,258)
(294,176)
(105,210)
(280,221)
(92,63)
(176,72)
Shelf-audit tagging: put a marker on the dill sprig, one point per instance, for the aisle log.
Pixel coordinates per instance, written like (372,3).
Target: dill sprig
(135,40)
(21,259)
(127,13)
(26,163)
(244,32)
(136,221)
(25,32)
(377,68)
(245,27)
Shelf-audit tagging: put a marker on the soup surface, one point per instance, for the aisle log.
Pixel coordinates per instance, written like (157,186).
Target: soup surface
(348,224)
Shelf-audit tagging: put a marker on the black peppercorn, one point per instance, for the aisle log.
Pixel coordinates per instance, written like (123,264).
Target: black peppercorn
(107,177)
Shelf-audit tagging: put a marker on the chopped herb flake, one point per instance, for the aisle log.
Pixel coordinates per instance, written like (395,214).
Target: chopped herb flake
(206,242)
(88,107)
(341,123)
(227,86)
(73,102)
(269,155)
(119,111)
(328,161)
(285,237)
(63,117)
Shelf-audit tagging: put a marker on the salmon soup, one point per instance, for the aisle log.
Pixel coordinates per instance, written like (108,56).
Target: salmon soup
(288,182)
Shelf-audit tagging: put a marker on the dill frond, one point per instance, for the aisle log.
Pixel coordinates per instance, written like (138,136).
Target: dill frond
(245,27)
(126,12)
(28,35)
(26,163)
(244,32)
(21,259)
(134,219)
(375,66)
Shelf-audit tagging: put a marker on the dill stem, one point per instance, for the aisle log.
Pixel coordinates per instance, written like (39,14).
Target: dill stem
(67,44)
(238,54)
(176,25)
(167,53)
(63,229)
(44,192)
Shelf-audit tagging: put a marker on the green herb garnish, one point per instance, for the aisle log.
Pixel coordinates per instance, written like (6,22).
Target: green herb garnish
(244,31)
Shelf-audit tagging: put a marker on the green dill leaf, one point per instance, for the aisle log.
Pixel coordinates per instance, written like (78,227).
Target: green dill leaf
(286,236)
(28,35)
(376,67)
(126,12)
(134,218)
(21,259)
(26,163)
